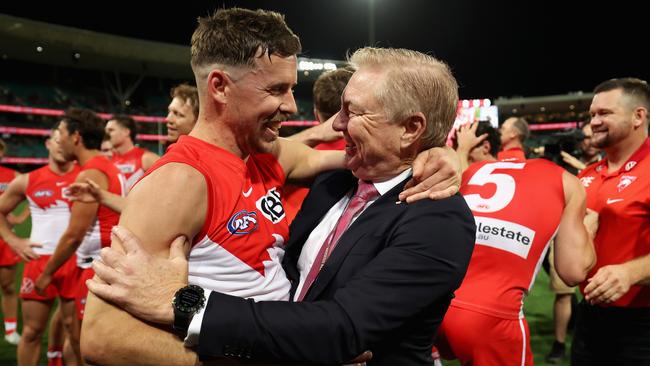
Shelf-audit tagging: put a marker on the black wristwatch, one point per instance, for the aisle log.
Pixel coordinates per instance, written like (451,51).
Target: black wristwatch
(188,301)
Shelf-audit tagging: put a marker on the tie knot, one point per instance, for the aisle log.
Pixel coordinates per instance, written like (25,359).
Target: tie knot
(366,191)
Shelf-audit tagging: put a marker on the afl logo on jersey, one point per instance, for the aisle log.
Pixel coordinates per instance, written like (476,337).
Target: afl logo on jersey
(271,206)
(242,223)
(126,168)
(44,193)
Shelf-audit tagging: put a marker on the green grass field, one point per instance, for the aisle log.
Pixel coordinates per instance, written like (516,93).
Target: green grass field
(538,308)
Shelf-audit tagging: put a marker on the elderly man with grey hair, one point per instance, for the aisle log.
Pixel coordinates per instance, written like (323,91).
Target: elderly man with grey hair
(367,272)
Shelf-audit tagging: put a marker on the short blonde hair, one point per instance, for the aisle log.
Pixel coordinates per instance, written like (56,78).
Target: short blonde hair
(414,82)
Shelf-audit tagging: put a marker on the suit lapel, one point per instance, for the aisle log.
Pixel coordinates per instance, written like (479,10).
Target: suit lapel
(379,210)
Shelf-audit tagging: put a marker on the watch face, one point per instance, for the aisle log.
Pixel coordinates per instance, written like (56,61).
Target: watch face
(189,300)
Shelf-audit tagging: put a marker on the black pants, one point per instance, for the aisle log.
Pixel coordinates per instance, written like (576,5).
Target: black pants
(611,336)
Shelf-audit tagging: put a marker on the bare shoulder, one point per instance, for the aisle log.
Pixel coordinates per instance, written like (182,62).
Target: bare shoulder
(573,189)
(168,202)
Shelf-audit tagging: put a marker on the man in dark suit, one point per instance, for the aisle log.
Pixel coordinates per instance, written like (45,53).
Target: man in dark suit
(367,272)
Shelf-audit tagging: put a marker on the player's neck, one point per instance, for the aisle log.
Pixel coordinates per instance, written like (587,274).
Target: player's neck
(124,148)
(621,152)
(60,168)
(514,144)
(84,155)
(218,135)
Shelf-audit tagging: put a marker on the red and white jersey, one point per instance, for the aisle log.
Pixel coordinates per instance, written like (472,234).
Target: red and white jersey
(6,176)
(517,206)
(130,165)
(48,206)
(240,248)
(622,200)
(99,234)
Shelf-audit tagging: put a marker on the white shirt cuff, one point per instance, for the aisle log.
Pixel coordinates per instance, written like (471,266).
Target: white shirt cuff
(194,330)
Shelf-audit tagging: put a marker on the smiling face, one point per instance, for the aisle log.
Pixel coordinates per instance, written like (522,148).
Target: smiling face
(180,118)
(372,142)
(611,119)
(259,100)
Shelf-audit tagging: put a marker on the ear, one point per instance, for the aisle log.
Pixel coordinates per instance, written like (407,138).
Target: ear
(485,148)
(217,86)
(76,138)
(640,116)
(414,128)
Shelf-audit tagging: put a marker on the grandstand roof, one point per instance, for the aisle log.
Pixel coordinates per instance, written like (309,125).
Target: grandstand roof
(495,48)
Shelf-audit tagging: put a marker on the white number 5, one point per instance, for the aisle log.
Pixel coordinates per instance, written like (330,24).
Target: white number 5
(505,187)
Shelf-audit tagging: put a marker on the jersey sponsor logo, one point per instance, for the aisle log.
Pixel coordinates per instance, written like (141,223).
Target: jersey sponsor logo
(505,235)
(126,168)
(242,223)
(625,181)
(586,181)
(271,206)
(44,193)
(247,193)
(59,184)
(610,200)
(629,165)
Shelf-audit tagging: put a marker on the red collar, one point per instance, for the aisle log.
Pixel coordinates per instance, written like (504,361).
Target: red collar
(638,155)
(514,154)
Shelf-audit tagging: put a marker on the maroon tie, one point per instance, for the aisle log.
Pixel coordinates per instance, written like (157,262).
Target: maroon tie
(365,192)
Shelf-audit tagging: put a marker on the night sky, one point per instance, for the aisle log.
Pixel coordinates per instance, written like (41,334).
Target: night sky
(495,48)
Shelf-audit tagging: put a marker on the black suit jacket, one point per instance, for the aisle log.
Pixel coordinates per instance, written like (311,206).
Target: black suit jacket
(385,287)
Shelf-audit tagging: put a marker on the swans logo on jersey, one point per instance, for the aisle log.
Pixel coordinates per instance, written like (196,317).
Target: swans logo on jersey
(44,193)
(27,286)
(629,165)
(625,181)
(505,235)
(242,223)
(126,168)
(271,206)
(586,181)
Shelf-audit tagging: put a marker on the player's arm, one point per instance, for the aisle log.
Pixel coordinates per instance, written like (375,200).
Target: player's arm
(91,192)
(82,216)
(317,134)
(436,172)
(19,218)
(148,159)
(574,249)
(9,200)
(158,209)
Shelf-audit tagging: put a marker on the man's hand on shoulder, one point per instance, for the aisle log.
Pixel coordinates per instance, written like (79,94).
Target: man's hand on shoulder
(436,175)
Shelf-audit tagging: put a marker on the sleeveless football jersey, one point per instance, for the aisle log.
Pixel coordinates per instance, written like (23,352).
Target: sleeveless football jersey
(130,165)
(240,247)
(49,207)
(517,205)
(6,176)
(99,234)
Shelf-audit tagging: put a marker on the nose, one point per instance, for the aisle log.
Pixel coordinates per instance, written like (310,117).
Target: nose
(288,105)
(340,122)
